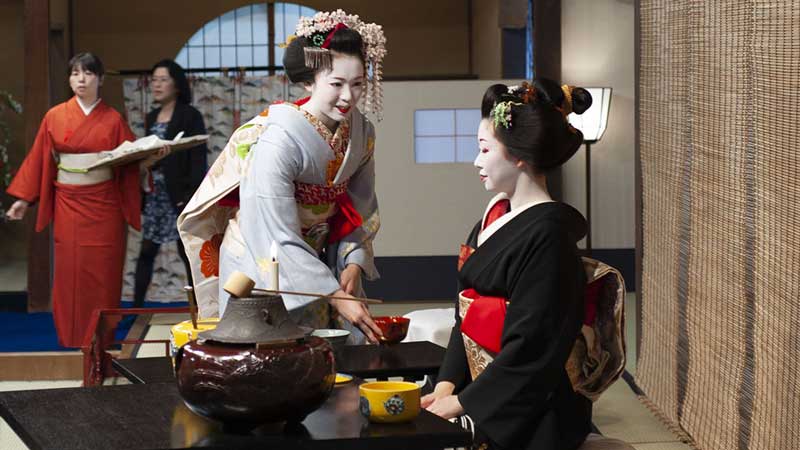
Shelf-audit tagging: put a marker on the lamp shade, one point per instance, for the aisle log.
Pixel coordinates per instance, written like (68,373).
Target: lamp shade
(592,122)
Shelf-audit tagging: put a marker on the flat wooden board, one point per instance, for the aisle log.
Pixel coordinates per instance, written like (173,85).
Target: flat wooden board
(129,152)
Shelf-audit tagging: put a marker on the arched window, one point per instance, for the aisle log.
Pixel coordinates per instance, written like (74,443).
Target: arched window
(244,37)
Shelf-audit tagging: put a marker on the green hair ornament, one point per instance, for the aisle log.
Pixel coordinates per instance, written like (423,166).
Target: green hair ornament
(501,113)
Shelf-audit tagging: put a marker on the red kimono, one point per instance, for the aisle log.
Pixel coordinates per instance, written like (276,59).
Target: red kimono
(88,220)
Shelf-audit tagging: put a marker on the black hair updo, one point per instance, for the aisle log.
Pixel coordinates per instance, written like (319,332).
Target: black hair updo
(346,41)
(539,133)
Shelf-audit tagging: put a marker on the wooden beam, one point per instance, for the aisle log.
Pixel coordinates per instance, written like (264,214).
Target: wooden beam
(36,103)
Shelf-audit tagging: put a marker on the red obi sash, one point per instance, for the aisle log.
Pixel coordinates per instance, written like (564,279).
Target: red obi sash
(346,219)
(483,322)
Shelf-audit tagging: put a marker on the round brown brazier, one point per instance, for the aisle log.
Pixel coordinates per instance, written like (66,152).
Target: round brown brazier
(255,367)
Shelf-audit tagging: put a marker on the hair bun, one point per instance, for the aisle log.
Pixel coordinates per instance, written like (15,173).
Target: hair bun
(294,61)
(581,100)
(493,95)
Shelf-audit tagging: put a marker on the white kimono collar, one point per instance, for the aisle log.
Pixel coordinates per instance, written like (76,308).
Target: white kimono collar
(487,232)
(87,109)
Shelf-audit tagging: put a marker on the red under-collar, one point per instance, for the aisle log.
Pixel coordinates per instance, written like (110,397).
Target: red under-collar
(497,211)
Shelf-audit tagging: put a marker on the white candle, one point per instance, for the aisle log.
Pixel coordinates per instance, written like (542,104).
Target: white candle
(273,267)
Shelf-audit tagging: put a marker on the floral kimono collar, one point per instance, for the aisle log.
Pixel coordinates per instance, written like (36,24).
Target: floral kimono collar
(342,131)
(309,132)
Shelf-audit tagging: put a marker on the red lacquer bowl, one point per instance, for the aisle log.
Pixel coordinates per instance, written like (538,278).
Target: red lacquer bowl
(394,328)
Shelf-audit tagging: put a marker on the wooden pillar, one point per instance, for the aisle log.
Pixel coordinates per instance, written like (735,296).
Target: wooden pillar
(36,103)
(547,61)
(547,39)
(271,37)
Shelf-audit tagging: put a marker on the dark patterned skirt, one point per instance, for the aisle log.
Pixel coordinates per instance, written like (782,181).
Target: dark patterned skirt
(158,215)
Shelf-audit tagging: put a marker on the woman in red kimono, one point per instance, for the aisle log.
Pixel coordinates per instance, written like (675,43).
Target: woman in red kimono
(89,209)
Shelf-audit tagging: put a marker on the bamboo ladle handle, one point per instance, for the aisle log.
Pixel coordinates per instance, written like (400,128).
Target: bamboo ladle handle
(192,304)
(371,301)
(240,285)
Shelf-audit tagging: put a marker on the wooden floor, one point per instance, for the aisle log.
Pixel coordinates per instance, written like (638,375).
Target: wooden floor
(40,366)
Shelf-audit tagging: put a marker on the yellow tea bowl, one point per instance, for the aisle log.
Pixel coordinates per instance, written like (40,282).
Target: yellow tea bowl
(389,401)
(183,332)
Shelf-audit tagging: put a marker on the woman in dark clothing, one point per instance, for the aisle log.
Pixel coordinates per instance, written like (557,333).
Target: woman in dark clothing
(176,177)
(521,305)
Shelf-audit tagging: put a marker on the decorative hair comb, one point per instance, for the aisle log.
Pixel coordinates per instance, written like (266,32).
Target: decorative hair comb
(525,92)
(320,28)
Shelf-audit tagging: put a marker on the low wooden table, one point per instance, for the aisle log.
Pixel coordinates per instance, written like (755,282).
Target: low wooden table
(154,417)
(411,360)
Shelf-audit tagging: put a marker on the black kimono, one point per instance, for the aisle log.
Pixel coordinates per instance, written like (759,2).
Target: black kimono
(524,399)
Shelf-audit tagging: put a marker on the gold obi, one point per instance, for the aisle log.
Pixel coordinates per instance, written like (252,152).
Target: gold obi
(477,357)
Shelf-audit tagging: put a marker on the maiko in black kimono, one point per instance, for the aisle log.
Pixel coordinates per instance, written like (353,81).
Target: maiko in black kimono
(521,396)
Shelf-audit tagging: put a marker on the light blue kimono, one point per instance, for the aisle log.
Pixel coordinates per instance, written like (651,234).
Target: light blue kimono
(290,151)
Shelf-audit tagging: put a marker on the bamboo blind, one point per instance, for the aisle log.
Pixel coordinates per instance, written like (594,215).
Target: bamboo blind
(718,148)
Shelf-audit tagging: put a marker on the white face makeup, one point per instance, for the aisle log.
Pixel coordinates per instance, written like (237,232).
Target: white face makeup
(335,92)
(163,86)
(498,170)
(85,84)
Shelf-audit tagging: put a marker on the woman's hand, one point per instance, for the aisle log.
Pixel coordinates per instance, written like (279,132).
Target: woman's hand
(357,314)
(151,160)
(350,278)
(446,407)
(17,210)
(442,389)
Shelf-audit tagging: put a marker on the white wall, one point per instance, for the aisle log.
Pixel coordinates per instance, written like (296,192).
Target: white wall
(598,50)
(429,209)
(426,209)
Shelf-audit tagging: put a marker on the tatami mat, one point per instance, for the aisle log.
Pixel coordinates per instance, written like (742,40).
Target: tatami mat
(618,413)
(662,446)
